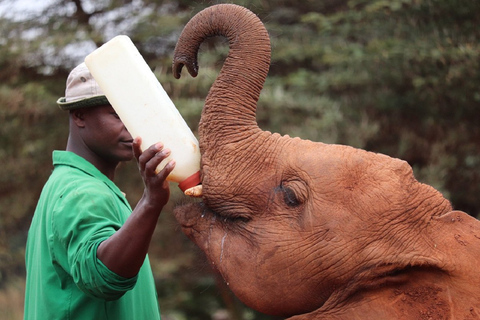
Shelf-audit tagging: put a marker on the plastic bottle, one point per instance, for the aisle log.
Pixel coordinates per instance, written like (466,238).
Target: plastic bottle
(144,107)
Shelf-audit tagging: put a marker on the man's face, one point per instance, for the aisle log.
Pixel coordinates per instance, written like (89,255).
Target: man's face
(106,134)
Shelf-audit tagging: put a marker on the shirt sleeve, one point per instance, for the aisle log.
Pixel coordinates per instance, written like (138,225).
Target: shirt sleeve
(86,216)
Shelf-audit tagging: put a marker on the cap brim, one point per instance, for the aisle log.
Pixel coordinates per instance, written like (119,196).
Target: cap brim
(82,103)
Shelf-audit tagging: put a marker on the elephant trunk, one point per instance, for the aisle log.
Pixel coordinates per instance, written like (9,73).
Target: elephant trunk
(230,106)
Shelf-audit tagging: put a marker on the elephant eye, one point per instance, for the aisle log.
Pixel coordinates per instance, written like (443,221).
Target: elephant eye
(289,196)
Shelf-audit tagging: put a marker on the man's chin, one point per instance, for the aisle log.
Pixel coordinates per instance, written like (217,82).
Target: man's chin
(125,156)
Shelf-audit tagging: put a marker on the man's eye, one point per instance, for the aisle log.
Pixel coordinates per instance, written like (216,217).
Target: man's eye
(115,115)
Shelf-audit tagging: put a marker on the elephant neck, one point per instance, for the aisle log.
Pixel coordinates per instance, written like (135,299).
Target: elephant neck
(456,239)
(439,276)
(418,293)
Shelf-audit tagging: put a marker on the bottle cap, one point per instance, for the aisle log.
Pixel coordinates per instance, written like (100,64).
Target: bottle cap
(190,182)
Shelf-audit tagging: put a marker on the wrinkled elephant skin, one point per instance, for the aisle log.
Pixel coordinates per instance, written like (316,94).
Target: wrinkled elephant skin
(309,230)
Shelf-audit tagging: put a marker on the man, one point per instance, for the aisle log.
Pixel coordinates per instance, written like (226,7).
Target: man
(86,254)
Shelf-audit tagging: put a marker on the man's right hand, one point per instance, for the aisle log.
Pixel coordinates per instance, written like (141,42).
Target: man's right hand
(157,190)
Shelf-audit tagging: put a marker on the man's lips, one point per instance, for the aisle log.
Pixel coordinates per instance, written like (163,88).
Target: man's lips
(127,142)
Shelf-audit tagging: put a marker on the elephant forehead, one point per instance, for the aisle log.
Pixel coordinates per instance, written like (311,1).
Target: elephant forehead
(346,175)
(344,163)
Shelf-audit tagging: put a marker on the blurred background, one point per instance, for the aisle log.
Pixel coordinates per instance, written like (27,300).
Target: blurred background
(400,77)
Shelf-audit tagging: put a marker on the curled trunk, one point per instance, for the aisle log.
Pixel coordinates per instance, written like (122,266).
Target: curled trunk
(228,122)
(243,73)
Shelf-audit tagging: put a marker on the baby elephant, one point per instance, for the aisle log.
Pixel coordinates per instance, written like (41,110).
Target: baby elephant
(308,230)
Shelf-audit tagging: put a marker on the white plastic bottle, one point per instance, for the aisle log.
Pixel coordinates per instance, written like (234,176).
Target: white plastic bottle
(144,107)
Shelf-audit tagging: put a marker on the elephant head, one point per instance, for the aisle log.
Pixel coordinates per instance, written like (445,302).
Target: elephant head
(297,227)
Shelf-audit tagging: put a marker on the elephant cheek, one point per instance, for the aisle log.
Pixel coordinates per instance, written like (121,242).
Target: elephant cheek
(195,224)
(236,261)
(229,254)
(250,274)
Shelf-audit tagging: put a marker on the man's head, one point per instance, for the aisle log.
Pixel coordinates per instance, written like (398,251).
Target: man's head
(96,132)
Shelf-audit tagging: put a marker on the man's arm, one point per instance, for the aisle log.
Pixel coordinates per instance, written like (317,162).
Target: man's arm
(124,252)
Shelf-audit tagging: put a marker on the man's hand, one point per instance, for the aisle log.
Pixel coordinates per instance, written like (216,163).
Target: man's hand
(157,191)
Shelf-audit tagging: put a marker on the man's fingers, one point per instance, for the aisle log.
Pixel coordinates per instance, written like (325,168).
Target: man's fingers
(149,159)
(137,151)
(155,160)
(163,174)
(148,154)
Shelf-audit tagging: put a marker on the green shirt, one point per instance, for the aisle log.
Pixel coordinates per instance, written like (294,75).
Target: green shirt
(78,209)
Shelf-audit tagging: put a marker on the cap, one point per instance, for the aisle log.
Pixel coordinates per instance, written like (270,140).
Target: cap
(190,182)
(82,90)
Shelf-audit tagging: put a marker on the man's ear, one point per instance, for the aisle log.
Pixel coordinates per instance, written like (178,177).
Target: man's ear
(78,117)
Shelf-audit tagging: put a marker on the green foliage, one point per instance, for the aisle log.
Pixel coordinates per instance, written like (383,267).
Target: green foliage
(27,138)
(399,77)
